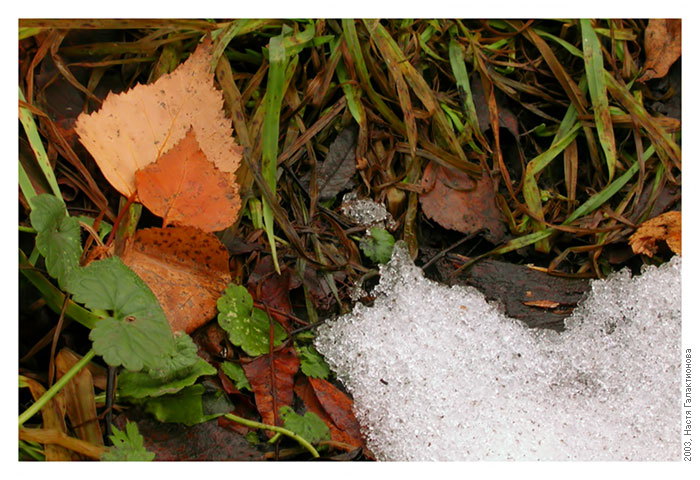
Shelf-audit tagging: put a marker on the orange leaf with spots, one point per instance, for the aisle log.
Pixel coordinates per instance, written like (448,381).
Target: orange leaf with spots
(185,188)
(186,268)
(135,128)
(666,226)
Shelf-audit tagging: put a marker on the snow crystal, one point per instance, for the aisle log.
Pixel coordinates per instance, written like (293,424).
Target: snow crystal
(366,212)
(438,373)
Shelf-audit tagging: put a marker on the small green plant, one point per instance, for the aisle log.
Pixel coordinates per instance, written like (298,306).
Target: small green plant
(128,446)
(378,246)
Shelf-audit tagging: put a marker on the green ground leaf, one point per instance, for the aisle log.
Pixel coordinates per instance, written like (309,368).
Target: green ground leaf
(178,362)
(310,426)
(190,406)
(141,384)
(128,446)
(137,334)
(235,372)
(58,236)
(312,363)
(247,327)
(378,246)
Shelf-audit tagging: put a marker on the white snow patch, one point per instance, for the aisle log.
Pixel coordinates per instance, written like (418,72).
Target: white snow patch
(437,373)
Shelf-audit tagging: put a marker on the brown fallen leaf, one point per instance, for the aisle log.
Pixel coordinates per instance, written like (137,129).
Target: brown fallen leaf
(306,392)
(53,415)
(258,373)
(666,226)
(338,406)
(268,287)
(79,395)
(186,268)
(547,304)
(185,188)
(662,45)
(133,129)
(456,201)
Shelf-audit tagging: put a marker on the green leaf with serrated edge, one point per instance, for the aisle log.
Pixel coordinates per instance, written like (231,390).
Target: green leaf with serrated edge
(137,335)
(183,407)
(247,327)
(310,426)
(179,361)
(235,372)
(378,246)
(127,446)
(312,363)
(141,384)
(58,236)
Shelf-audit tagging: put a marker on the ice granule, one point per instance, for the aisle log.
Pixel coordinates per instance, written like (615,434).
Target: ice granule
(437,373)
(366,212)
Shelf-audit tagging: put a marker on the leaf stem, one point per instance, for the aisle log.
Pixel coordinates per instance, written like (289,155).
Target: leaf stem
(283,431)
(51,392)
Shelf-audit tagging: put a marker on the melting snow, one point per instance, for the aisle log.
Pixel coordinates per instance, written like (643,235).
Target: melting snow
(437,373)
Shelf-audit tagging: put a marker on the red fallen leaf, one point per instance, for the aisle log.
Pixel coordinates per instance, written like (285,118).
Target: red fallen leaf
(338,406)
(305,391)
(186,188)
(186,268)
(272,289)
(458,202)
(662,46)
(258,374)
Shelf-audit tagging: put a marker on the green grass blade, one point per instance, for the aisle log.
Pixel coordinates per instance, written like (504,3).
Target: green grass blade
(459,70)
(390,49)
(531,191)
(595,73)
(270,131)
(26,185)
(35,141)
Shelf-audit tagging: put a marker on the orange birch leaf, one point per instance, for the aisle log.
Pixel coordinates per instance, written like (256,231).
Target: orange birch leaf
(666,226)
(186,268)
(134,128)
(185,188)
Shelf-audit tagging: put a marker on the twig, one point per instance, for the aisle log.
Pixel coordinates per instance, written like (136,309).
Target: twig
(252,424)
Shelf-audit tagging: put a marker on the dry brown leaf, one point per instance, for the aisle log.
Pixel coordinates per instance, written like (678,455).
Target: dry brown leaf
(186,268)
(185,188)
(80,398)
(134,128)
(666,226)
(662,45)
(457,202)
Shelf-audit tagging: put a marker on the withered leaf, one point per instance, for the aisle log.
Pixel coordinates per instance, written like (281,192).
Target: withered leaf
(259,374)
(305,391)
(134,128)
(666,226)
(456,201)
(662,46)
(185,188)
(79,395)
(339,166)
(186,268)
(338,406)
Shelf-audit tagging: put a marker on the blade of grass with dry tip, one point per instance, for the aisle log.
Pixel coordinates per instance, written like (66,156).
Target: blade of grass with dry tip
(590,205)
(270,132)
(531,191)
(353,43)
(353,94)
(390,50)
(459,70)
(405,103)
(595,73)
(665,145)
(26,185)
(42,159)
